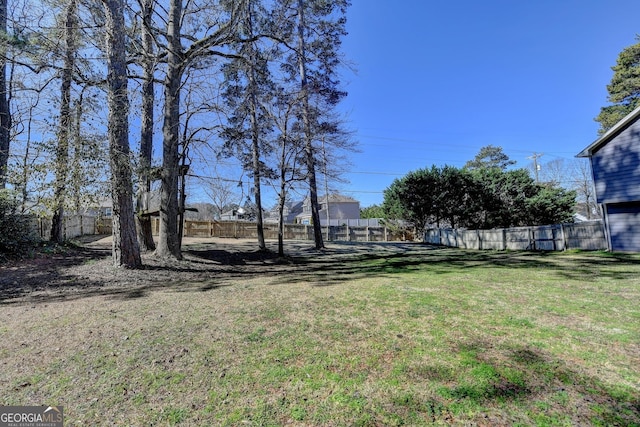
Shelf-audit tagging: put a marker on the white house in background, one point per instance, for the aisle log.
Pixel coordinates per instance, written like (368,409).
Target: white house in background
(291,210)
(340,208)
(238,214)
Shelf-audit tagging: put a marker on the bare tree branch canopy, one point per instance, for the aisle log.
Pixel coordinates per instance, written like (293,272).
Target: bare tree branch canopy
(62,63)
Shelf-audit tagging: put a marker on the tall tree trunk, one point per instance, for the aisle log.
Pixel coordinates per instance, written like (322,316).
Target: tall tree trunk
(168,241)
(5,114)
(308,134)
(255,143)
(125,244)
(62,148)
(182,200)
(26,165)
(144,228)
(76,170)
(255,133)
(282,197)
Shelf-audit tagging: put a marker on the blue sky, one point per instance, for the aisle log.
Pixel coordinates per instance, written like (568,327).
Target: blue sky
(438,80)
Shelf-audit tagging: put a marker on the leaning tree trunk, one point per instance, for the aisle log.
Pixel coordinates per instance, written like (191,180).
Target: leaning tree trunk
(125,244)
(5,114)
(62,147)
(308,136)
(144,228)
(168,240)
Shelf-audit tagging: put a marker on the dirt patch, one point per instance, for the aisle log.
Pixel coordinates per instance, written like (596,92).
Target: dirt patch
(86,269)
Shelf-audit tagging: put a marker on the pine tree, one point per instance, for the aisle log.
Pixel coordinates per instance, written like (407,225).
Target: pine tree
(247,85)
(624,89)
(314,39)
(5,114)
(64,125)
(179,57)
(145,235)
(126,251)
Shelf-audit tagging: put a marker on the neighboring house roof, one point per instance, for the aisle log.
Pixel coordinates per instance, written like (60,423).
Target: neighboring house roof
(338,198)
(611,133)
(341,207)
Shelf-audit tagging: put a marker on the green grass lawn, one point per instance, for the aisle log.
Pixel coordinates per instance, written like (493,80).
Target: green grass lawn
(404,337)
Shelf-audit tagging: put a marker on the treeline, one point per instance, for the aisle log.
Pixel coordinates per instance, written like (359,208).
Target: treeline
(115,95)
(482,195)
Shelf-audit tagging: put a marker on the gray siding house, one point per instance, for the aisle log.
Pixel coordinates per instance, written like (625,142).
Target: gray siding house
(615,164)
(340,208)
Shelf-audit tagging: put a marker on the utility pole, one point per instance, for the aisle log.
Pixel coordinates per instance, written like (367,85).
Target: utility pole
(536,166)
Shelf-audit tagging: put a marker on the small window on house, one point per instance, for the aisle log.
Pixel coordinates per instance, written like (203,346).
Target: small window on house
(108,212)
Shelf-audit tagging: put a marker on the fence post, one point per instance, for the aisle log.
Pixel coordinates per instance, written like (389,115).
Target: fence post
(504,239)
(564,237)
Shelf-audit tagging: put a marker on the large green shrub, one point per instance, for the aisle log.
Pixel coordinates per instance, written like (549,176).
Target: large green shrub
(17,237)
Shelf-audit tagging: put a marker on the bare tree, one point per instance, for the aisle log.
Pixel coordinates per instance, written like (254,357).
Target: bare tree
(223,193)
(582,183)
(291,159)
(554,173)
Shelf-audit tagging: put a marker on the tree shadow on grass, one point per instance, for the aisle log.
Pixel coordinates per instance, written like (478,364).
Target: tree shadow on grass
(47,268)
(211,266)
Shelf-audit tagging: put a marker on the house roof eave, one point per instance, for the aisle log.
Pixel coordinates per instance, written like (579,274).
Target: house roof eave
(610,134)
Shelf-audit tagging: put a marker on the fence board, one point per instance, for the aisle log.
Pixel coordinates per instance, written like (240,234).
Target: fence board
(74,226)
(582,235)
(82,225)
(243,229)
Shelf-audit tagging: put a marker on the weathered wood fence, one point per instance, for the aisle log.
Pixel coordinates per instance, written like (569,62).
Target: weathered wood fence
(249,230)
(74,226)
(79,225)
(581,235)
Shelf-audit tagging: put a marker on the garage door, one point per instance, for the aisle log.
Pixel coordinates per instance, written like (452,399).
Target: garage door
(624,226)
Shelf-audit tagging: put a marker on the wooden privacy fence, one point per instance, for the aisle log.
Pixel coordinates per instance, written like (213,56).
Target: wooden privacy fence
(581,235)
(249,230)
(80,225)
(74,226)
